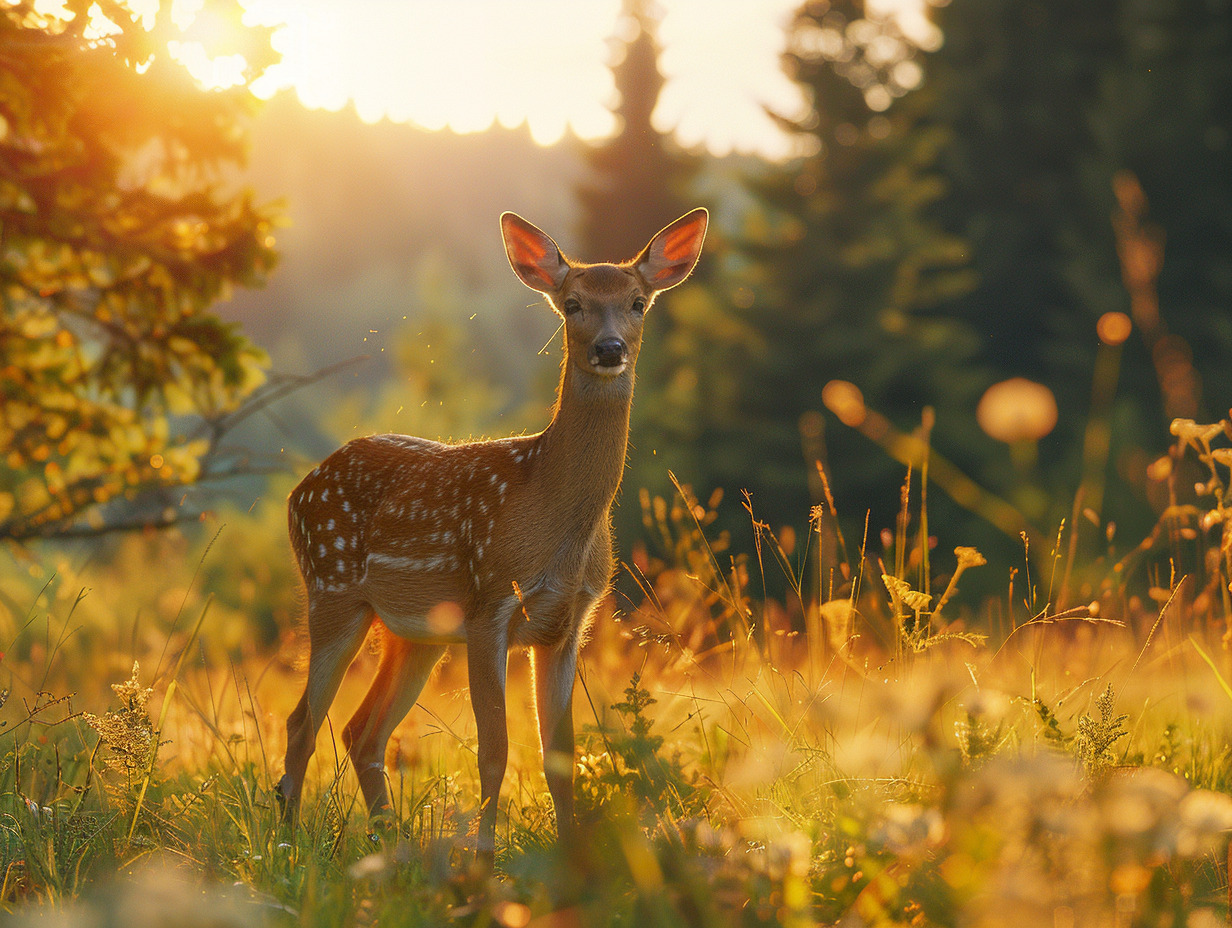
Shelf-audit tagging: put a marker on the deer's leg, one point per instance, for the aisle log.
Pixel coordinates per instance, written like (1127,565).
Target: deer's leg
(335,632)
(486,662)
(404,669)
(554,671)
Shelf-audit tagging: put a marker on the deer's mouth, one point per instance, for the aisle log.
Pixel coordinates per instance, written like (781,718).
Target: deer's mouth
(608,370)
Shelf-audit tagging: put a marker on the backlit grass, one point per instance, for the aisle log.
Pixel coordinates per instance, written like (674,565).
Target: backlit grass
(870,755)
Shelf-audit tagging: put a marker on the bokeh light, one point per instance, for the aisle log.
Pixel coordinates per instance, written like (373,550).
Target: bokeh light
(1017,410)
(1113,328)
(845,400)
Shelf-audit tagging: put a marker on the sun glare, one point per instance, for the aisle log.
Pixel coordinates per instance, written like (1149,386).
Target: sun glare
(542,63)
(469,64)
(723,76)
(463,65)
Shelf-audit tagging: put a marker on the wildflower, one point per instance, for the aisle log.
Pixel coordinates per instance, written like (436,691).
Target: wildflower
(902,591)
(1205,819)
(898,588)
(1189,432)
(838,618)
(969,557)
(129,733)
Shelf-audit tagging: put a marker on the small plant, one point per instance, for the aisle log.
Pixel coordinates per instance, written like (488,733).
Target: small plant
(913,615)
(978,740)
(1096,737)
(634,765)
(127,732)
(1052,726)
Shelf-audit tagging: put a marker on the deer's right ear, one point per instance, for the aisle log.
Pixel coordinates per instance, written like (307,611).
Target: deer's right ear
(534,257)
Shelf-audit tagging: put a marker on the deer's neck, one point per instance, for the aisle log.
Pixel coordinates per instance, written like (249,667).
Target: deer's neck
(584,445)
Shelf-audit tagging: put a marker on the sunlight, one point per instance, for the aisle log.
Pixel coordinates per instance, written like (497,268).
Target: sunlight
(723,76)
(214,72)
(544,64)
(462,66)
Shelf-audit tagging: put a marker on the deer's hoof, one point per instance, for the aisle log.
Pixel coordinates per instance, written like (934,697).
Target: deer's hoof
(288,798)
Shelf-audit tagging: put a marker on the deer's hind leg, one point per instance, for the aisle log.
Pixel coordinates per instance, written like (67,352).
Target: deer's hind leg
(404,669)
(336,629)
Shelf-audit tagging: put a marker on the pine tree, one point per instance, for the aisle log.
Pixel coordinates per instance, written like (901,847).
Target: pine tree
(640,181)
(845,275)
(1046,105)
(637,182)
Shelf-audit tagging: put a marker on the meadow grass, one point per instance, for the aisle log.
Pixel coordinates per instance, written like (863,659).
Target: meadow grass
(860,752)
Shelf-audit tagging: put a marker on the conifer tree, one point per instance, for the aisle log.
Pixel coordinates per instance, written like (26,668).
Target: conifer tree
(1047,104)
(636,181)
(639,181)
(845,274)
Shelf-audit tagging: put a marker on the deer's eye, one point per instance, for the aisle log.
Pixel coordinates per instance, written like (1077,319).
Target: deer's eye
(639,306)
(572,306)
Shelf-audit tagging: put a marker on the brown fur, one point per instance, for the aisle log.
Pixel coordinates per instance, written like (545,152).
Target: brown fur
(497,544)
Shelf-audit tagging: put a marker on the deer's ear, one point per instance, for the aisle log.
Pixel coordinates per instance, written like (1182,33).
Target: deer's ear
(671,255)
(533,255)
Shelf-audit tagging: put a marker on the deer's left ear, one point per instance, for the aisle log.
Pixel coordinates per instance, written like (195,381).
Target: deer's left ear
(671,255)
(533,255)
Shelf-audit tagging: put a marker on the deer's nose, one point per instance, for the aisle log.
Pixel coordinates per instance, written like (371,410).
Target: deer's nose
(609,352)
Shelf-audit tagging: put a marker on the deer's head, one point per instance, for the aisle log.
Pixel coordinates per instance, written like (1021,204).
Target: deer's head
(603,305)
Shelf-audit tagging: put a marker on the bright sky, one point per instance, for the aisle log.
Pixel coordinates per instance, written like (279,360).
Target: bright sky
(466,64)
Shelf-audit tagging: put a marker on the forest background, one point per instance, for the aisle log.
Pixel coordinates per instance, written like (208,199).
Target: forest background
(1011,247)
(960,226)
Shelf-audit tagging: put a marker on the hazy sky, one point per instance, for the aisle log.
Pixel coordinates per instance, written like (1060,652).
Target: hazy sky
(466,64)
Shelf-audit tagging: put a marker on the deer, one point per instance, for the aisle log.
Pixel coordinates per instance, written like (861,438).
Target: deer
(493,544)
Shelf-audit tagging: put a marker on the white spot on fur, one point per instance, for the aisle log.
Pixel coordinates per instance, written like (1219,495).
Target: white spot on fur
(437,562)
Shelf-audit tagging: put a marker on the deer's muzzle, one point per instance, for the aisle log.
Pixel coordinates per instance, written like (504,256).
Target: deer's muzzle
(608,353)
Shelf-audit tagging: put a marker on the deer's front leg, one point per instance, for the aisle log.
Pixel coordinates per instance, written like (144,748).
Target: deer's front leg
(486,661)
(555,669)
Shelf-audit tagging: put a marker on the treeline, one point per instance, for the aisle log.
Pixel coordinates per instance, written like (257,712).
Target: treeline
(1005,199)
(1037,190)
